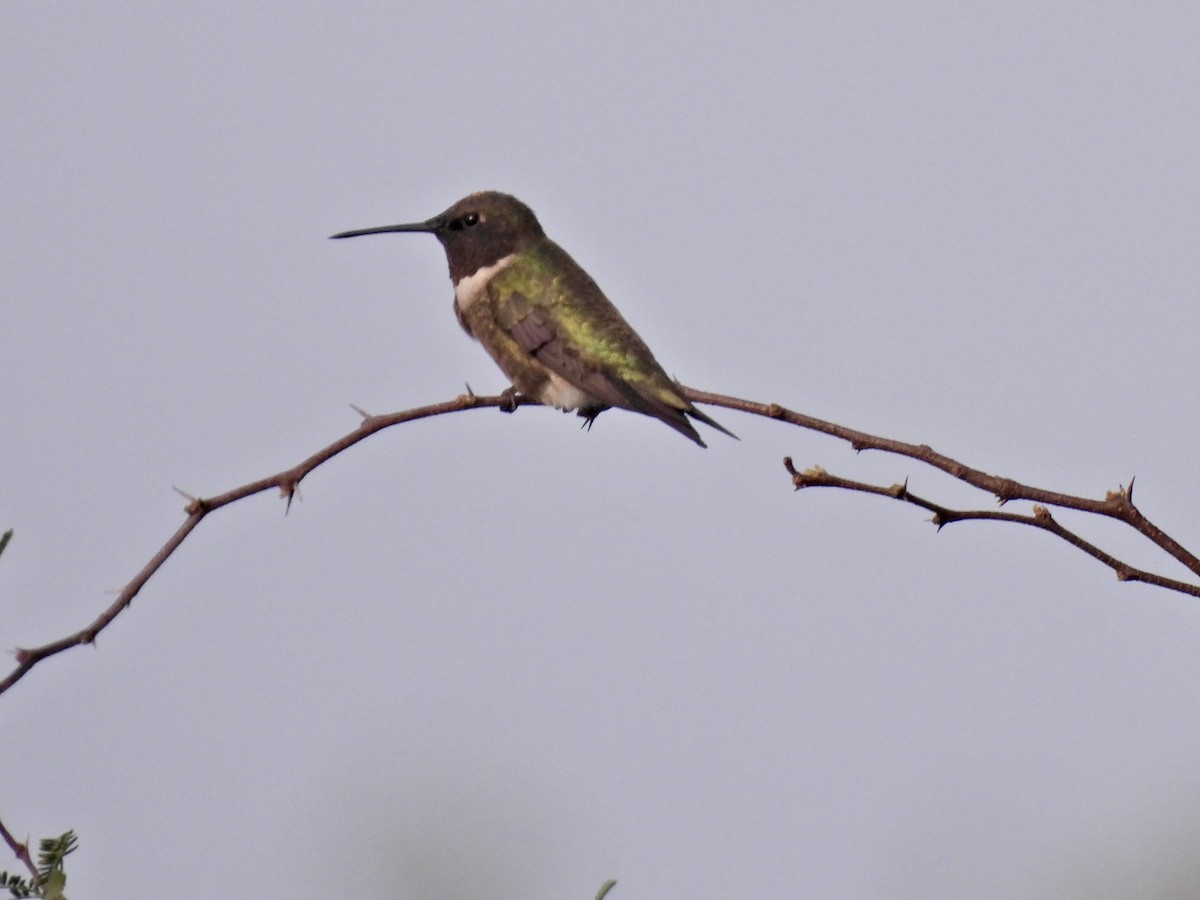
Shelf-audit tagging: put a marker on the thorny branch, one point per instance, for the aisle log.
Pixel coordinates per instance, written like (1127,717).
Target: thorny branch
(943,515)
(1116,505)
(19,849)
(197,508)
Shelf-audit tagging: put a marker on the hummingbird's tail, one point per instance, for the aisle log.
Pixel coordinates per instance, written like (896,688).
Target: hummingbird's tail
(711,423)
(663,401)
(678,419)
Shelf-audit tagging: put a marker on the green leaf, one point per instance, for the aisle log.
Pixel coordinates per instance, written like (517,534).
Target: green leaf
(52,887)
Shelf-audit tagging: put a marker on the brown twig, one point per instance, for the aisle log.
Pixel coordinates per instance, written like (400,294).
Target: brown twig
(20,850)
(197,508)
(1117,504)
(943,515)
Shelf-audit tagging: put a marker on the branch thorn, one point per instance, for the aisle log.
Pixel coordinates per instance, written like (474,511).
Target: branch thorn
(194,504)
(289,487)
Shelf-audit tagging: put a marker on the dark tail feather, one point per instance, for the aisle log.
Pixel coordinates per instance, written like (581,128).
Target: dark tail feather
(619,393)
(711,423)
(677,420)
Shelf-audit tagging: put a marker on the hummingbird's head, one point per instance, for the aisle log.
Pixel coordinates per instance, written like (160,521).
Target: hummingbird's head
(477,231)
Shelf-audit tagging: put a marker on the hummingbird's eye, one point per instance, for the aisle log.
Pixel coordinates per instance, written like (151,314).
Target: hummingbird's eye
(470,220)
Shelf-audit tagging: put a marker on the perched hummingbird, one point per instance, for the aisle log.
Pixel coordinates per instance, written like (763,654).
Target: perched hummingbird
(542,318)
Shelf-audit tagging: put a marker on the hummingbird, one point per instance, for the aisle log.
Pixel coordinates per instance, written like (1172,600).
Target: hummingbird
(543,319)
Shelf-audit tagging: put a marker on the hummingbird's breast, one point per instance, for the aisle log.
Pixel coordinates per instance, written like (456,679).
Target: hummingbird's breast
(469,288)
(506,306)
(475,308)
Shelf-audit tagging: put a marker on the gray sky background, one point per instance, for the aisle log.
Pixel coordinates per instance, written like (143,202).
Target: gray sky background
(495,656)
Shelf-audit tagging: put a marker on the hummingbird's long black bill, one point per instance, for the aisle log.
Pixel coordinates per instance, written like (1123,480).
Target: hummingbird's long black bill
(429,226)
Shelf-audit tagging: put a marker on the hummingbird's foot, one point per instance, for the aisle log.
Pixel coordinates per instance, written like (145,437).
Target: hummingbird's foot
(508,399)
(588,414)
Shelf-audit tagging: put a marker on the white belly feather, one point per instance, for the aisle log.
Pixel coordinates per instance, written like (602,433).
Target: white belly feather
(561,393)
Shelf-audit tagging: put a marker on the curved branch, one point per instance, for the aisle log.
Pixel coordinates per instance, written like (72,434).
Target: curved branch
(1116,504)
(944,515)
(197,508)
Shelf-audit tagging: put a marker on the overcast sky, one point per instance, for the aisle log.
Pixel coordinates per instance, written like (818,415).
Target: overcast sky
(498,656)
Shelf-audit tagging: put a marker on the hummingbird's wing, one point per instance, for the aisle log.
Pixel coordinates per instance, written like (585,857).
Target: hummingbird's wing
(587,343)
(538,334)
